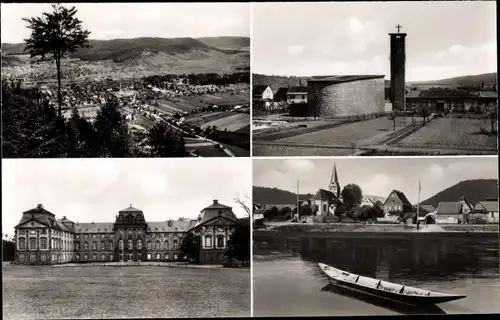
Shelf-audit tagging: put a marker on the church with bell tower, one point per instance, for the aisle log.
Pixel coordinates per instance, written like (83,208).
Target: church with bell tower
(327,200)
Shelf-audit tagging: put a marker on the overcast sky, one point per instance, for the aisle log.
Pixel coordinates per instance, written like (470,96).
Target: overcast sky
(94,190)
(375,176)
(132,20)
(445,39)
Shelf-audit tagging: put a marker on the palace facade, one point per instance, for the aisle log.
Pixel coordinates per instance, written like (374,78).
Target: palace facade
(43,239)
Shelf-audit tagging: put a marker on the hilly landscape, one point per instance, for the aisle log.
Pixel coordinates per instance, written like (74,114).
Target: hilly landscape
(264,195)
(275,82)
(489,79)
(473,190)
(225,53)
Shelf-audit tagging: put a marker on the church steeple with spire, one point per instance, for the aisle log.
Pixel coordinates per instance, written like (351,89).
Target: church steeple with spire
(334,185)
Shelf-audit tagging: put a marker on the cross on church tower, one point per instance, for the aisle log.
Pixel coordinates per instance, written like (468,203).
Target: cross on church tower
(398,27)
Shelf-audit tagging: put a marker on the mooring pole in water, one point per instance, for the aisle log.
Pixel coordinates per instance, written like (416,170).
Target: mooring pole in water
(298,214)
(418,206)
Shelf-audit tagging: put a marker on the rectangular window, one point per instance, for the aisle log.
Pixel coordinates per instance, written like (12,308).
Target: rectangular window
(43,257)
(208,256)
(22,244)
(102,236)
(324,208)
(21,257)
(43,243)
(94,257)
(77,256)
(103,257)
(220,256)
(22,231)
(220,242)
(111,257)
(85,257)
(130,245)
(43,231)
(32,257)
(93,236)
(85,236)
(32,232)
(78,236)
(32,244)
(94,246)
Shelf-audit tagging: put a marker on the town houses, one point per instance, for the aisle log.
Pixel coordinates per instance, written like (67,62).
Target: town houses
(329,204)
(42,239)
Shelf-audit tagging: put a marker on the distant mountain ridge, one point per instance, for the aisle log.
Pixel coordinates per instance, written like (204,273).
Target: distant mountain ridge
(152,52)
(276,81)
(265,195)
(473,190)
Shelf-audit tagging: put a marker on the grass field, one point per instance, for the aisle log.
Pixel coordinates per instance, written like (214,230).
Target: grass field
(452,133)
(291,151)
(361,132)
(198,119)
(233,122)
(118,292)
(197,102)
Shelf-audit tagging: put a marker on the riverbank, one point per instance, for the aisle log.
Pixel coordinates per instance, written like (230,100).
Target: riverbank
(137,264)
(373,228)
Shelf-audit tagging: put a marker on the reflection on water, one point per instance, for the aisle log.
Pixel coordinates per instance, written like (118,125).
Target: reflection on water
(433,309)
(463,264)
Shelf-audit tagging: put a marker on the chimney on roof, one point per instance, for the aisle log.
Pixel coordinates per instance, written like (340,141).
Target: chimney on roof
(39,206)
(216,201)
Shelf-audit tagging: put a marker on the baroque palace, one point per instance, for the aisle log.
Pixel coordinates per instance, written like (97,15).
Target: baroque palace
(43,239)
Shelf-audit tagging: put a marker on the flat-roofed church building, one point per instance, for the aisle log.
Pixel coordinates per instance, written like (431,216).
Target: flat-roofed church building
(43,239)
(339,96)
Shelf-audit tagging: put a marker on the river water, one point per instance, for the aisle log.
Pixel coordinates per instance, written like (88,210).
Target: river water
(287,280)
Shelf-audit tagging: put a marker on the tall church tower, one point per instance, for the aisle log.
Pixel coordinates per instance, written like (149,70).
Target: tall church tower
(334,185)
(398,61)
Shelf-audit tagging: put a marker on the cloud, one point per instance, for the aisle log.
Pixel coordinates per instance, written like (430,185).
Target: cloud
(299,165)
(296,50)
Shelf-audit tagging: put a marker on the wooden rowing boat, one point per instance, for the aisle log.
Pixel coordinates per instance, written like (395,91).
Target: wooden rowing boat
(385,290)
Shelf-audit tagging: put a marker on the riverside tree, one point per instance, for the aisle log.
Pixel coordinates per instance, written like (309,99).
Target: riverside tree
(352,195)
(56,33)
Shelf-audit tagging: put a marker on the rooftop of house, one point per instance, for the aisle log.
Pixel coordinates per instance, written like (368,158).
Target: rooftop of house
(344,78)
(489,206)
(281,93)
(325,195)
(259,89)
(449,208)
(401,196)
(294,90)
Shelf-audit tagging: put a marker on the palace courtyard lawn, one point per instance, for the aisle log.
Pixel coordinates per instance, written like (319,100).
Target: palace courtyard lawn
(48,292)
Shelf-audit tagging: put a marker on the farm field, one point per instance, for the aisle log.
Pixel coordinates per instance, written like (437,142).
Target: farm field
(44,292)
(197,102)
(360,132)
(233,122)
(260,150)
(452,133)
(198,119)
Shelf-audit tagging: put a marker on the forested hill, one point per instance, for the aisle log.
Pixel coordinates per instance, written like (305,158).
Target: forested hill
(275,82)
(473,190)
(264,195)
